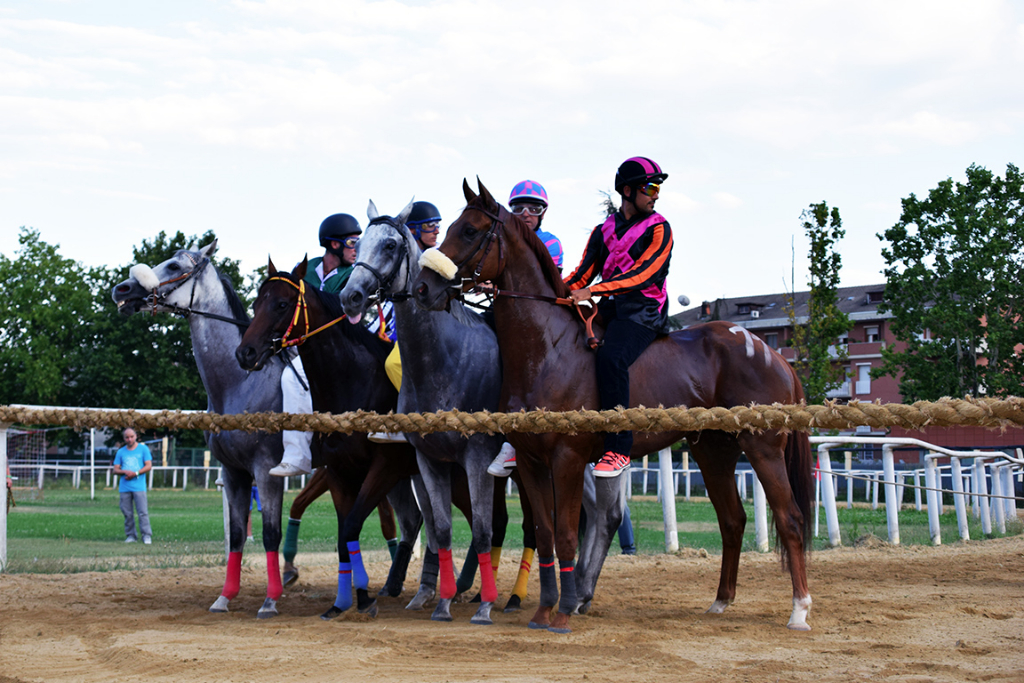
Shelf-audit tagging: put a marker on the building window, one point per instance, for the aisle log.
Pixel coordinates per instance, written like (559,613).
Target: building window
(863,378)
(772,339)
(743,309)
(871,334)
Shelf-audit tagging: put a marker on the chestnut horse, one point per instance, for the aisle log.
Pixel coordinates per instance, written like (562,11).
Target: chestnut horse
(547,364)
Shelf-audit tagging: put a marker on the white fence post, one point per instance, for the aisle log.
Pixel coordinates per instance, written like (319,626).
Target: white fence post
(760,516)
(892,505)
(997,503)
(981,492)
(3,508)
(668,500)
(828,494)
(959,498)
(932,496)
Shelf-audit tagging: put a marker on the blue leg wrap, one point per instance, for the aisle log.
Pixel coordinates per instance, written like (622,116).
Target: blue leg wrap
(344,599)
(548,584)
(359,577)
(568,601)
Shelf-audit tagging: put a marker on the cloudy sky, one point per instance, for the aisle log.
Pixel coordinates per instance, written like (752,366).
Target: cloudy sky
(257,119)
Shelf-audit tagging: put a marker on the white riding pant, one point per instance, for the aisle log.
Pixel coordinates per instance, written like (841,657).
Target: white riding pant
(296,400)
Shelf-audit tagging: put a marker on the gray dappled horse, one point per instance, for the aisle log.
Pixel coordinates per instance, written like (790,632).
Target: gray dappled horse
(189,284)
(450,360)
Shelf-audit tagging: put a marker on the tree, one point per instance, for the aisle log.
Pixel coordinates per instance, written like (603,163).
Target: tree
(953,285)
(47,300)
(818,358)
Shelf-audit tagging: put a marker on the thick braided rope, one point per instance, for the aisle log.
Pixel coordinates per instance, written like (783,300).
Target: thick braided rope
(946,412)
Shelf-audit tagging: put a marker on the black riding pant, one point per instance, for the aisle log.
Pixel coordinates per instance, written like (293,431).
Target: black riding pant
(624,341)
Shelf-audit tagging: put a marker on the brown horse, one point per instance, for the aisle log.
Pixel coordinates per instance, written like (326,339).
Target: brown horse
(547,364)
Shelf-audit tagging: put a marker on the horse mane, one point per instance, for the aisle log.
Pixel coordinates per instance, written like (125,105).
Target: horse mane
(238,311)
(547,264)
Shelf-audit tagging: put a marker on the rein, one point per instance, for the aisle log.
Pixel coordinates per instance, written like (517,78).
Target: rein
(586,313)
(301,307)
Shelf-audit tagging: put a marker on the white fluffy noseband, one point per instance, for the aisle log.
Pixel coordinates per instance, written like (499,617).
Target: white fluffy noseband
(145,276)
(439,263)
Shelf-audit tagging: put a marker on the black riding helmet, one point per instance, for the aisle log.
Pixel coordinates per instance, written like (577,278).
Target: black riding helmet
(637,171)
(338,227)
(423,212)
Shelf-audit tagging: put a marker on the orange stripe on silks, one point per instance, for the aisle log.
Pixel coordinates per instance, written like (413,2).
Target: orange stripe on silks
(646,272)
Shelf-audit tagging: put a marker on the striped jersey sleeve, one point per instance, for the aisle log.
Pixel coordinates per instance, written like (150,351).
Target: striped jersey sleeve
(650,267)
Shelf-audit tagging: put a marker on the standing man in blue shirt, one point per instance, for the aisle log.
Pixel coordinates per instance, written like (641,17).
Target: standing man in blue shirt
(131,463)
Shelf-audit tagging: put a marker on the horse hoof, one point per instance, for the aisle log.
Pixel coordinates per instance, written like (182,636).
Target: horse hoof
(515,604)
(219,605)
(483,615)
(331,613)
(389,591)
(563,630)
(718,606)
(798,627)
(538,627)
(268,610)
(583,608)
(443,611)
(290,576)
(370,610)
(424,595)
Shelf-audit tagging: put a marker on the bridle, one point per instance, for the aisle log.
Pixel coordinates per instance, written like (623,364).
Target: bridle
(494,235)
(301,311)
(157,298)
(384,282)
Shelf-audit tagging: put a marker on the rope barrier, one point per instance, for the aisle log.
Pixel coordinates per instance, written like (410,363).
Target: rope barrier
(985,412)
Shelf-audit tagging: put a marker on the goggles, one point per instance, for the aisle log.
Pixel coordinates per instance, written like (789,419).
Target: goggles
(532,209)
(431,226)
(350,242)
(650,189)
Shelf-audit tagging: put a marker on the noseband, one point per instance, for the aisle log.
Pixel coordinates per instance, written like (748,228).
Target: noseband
(384,282)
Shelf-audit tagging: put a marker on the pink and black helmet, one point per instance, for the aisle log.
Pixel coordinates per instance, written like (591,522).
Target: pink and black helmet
(529,190)
(638,171)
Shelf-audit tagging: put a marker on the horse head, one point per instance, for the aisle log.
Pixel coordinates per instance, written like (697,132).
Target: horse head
(385,261)
(470,253)
(276,312)
(172,286)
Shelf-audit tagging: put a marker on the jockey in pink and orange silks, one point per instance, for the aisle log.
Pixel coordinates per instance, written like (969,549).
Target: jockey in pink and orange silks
(630,252)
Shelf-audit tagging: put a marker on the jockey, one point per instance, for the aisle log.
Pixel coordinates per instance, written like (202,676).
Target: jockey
(425,224)
(529,201)
(630,252)
(339,235)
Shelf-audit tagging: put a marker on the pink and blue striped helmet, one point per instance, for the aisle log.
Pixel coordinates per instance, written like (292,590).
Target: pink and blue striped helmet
(638,171)
(529,190)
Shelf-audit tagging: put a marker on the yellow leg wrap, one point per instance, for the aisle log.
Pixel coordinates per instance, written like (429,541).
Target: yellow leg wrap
(524,573)
(495,560)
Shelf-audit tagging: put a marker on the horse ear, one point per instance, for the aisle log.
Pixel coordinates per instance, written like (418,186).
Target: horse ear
(271,269)
(191,246)
(470,195)
(300,270)
(209,249)
(371,211)
(403,216)
(485,194)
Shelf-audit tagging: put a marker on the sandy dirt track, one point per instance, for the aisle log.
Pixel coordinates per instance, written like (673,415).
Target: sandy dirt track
(954,613)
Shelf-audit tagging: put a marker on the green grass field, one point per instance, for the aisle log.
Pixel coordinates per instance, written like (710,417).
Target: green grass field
(66,532)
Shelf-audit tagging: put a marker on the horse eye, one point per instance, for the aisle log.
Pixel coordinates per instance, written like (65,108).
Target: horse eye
(173,266)
(469,231)
(390,245)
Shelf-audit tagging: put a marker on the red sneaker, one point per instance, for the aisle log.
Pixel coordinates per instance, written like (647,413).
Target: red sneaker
(611,465)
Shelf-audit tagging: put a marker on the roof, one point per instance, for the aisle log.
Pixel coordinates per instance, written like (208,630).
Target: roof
(769,310)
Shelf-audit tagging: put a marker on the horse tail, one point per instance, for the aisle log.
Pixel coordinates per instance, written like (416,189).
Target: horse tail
(800,468)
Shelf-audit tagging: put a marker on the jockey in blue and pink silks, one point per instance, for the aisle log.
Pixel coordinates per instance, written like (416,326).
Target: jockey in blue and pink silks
(630,252)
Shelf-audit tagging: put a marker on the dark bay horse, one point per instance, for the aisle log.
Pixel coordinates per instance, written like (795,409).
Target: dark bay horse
(345,367)
(189,284)
(547,364)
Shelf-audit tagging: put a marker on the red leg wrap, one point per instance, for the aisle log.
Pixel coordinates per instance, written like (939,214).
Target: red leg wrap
(234,576)
(488,588)
(274,588)
(447,570)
